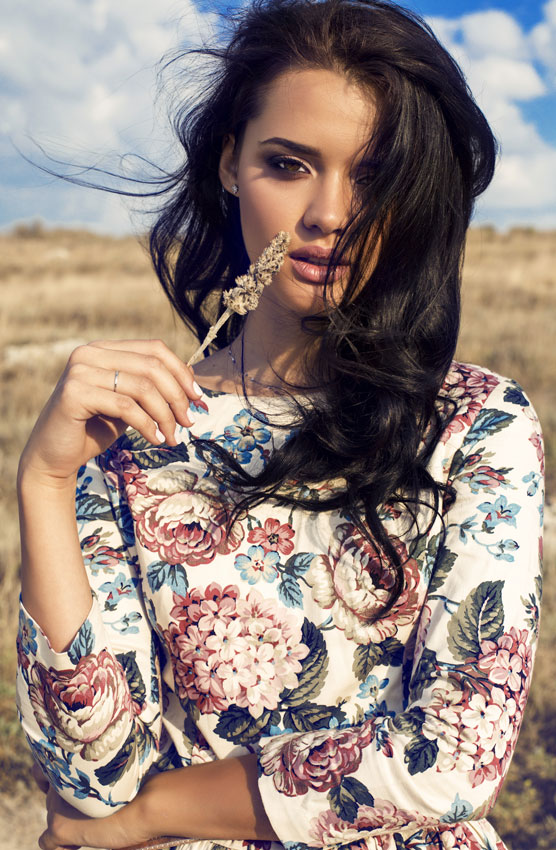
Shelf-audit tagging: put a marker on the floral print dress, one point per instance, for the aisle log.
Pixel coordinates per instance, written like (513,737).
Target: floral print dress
(390,732)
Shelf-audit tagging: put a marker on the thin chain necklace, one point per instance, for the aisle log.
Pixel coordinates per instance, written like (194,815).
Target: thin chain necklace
(242,368)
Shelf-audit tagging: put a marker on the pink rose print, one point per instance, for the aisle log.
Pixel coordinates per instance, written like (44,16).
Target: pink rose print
(315,760)
(231,651)
(122,470)
(273,536)
(90,707)
(181,523)
(469,387)
(329,829)
(485,477)
(459,836)
(355,584)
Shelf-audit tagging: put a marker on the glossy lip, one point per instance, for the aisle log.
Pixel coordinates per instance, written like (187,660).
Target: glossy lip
(311,264)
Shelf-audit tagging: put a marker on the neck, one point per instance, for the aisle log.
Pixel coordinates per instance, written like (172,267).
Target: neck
(275,348)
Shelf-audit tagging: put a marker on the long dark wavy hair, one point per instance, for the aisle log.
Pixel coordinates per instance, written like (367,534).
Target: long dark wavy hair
(380,356)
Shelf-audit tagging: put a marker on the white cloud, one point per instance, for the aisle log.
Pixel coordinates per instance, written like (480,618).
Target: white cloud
(543,39)
(506,67)
(79,77)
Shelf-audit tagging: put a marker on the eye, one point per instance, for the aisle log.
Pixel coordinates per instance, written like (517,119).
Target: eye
(363,177)
(288,165)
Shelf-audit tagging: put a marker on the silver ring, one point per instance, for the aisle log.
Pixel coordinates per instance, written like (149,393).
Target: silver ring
(116,376)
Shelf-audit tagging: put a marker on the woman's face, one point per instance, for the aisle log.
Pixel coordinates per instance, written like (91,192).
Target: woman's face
(297,169)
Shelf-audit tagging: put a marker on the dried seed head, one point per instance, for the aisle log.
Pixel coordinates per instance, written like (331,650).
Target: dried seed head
(248,287)
(244,296)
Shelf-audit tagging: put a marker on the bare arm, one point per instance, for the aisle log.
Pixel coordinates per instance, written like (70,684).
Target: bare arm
(215,800)
(84,415)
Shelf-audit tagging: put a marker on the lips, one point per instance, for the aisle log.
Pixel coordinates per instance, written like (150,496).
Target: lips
(311,264)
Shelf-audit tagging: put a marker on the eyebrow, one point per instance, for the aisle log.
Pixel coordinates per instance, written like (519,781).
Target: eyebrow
(295,147)
(307,150)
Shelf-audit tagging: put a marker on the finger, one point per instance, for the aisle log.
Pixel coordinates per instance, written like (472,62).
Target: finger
(137,387)
(149,366)
(104,403)
(181,371)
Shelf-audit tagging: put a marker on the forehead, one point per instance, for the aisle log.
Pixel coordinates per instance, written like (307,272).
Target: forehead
(316,107)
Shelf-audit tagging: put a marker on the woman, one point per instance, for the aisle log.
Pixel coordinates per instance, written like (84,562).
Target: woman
(310,598)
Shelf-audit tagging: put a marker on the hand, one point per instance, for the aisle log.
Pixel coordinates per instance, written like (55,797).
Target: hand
(85,414)
(69,828)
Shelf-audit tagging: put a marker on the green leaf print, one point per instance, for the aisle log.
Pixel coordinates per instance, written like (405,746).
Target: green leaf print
(147,456)
(444,561)
(82,643)
(346,798)
(408,722)
(298,564)
(91,506)
(425,673)
(387,653)
(420,754)
(133,675)
(313,668)
(289,592)
(479,617)
(144,739)
(310,716)
(239,726)
(458,462)
(191,716)
(488,422)
(109,773)
(160,573)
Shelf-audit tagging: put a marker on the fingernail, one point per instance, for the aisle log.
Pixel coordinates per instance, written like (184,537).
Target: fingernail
(197,388)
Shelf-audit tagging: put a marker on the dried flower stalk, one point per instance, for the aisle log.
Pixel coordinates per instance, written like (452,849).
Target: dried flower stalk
(244,296)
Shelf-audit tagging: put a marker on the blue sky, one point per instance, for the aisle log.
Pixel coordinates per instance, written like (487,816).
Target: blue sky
(79,77)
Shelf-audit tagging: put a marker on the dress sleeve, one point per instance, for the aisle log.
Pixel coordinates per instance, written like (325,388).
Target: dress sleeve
(92,714)
(466,671)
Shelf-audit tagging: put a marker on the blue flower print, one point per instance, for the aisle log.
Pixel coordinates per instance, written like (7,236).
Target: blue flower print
(460,810)
(535,480)
(247,431)
(125,624)
(54,767)
(27,634)
(232,447)
(371,686)
(120,587)
(498,512)
(257,564)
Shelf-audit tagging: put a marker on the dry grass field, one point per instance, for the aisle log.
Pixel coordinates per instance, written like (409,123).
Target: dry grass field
(60,288)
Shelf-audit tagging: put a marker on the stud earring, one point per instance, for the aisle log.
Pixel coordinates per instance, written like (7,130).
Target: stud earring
(235,188)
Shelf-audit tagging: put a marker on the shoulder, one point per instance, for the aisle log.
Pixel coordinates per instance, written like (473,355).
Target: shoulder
(480,404)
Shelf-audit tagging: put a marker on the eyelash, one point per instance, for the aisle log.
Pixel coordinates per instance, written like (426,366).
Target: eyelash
(278,163)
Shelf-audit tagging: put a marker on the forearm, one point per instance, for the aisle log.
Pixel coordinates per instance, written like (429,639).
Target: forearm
(54,585)
(215,800)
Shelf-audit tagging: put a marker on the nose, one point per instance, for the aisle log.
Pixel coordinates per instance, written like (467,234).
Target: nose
(327,205)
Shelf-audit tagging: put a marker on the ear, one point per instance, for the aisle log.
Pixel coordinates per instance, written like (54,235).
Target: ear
(227,170)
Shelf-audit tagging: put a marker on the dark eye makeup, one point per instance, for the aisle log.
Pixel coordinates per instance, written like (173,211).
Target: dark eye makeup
(290,167)
(287,165)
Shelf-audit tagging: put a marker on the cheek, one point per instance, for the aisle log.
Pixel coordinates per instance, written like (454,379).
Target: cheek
(264,211)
